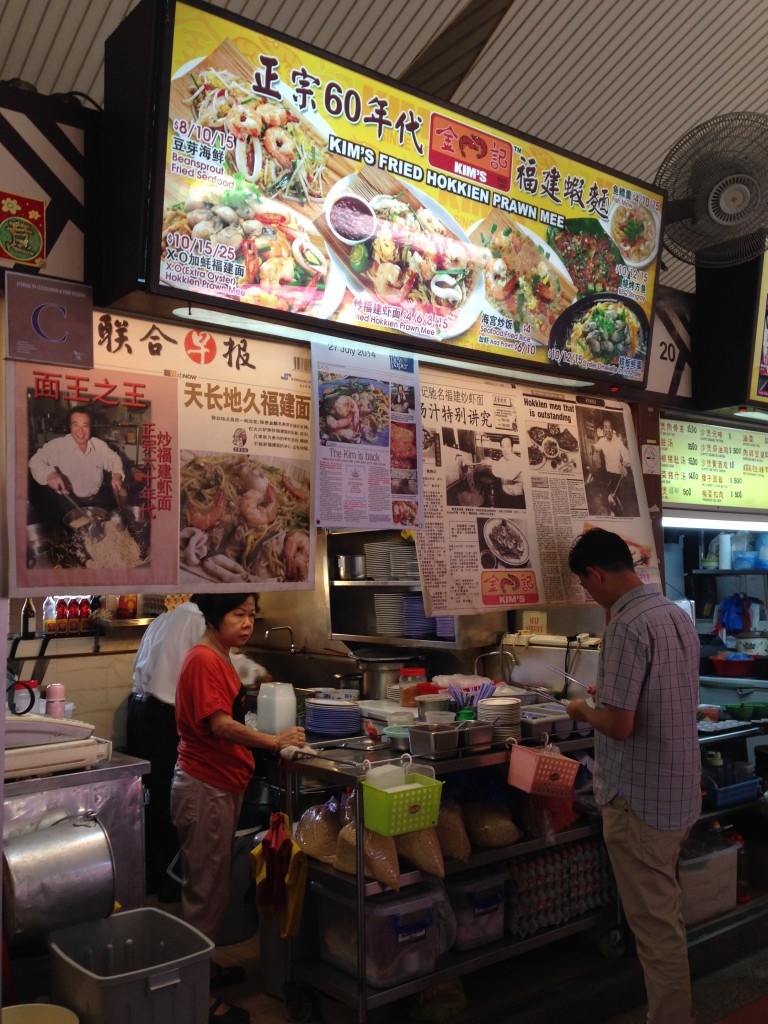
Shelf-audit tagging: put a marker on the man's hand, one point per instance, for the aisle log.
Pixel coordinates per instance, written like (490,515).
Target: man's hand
(56,482)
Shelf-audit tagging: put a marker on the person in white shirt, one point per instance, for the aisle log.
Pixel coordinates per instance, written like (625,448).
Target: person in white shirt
(151,727)
(616,457)
(508,471)
(76,463)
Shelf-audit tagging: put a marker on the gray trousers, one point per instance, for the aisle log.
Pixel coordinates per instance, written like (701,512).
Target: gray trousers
(206,820)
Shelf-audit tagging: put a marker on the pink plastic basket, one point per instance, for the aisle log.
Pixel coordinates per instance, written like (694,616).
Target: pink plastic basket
(541,770)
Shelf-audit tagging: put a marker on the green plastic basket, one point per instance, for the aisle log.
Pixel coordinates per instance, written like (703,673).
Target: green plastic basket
(391,813)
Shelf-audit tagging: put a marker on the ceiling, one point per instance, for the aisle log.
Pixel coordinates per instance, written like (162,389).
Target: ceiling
(616,81)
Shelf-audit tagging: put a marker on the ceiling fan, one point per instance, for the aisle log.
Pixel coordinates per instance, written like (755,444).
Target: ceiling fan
(716,178)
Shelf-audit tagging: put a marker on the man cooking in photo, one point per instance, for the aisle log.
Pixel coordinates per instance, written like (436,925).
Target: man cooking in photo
(76,464)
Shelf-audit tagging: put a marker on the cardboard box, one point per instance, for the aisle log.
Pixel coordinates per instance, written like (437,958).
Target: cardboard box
(709,884)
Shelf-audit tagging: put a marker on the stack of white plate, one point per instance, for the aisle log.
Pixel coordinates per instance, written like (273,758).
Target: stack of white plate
(417,623)
(390,615)
(403,562)
(330,717)
(504,712)
(377,563)
(393,692)
(445,627)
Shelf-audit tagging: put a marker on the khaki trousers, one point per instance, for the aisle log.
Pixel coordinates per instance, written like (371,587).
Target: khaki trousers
(206,820)
(644,862)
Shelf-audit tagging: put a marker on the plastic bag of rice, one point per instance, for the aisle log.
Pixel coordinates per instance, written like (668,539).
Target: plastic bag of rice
(490,824)
(421,849)
(451,833)
(317,831)
(379,856)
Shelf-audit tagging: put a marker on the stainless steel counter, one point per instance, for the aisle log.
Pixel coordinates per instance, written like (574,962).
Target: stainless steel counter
(112,789)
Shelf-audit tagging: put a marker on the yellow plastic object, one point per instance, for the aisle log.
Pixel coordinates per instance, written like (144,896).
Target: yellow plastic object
(390,813)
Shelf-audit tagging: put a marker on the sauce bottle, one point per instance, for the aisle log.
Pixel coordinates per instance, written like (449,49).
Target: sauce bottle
(85,614)
(73,616)
(61,616)
(28,619)
(50,626)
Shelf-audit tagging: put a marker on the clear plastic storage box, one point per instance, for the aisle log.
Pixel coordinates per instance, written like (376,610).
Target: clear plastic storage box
(138,965)
(478,901)
(401,934)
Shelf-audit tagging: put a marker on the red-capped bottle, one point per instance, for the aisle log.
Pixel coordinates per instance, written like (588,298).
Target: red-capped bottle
(62,625)
(73,616)
(85,614)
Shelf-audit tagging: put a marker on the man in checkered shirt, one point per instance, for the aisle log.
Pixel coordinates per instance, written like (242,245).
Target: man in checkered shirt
(647,761)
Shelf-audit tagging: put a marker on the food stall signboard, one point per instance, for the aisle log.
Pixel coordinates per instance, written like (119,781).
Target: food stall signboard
(758,388)
(308,188)
(712,466)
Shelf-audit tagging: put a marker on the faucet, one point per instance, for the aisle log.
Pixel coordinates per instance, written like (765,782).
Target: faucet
(274,629)
(501,653)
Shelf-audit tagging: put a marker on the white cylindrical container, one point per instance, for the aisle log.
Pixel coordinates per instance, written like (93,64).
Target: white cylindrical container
(725,551)
(276,707)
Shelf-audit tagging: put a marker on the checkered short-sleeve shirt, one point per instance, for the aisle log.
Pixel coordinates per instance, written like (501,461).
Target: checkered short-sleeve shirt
(650,665)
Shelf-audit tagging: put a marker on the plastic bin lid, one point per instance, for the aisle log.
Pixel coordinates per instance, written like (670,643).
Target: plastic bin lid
(477,880)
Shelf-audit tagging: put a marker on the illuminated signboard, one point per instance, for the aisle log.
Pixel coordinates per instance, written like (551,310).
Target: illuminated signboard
(709,466)
(295,185)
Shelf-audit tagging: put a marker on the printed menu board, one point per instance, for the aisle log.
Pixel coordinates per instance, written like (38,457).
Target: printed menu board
(299,185)
(709,466)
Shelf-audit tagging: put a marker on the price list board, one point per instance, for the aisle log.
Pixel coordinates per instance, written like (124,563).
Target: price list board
(710,466)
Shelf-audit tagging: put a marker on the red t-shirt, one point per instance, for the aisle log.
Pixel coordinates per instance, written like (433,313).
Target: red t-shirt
(207,684)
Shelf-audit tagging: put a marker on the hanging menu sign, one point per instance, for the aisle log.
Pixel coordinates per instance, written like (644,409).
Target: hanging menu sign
(299,185)
(709,466)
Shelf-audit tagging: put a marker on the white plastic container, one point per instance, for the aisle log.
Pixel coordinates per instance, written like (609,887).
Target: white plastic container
(276,707)
(401,934)
(478,901)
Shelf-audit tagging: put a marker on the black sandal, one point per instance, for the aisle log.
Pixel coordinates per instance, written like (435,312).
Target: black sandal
(234,1015)
(223,976)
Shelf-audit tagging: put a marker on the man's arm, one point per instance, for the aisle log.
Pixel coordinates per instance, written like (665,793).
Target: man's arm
(616,723)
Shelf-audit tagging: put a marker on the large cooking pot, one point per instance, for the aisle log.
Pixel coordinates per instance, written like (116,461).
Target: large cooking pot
(754,642)
(56,876)
(380,668)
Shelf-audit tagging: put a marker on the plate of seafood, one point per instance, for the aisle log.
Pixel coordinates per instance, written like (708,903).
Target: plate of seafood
(506,541)
(244,520)
(275,255)
(523,278)
(397,245)
(354,410)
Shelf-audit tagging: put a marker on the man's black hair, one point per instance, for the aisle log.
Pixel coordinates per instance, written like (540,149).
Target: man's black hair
(600,549)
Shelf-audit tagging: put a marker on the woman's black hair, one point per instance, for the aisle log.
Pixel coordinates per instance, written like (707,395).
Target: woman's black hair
(601,549)
(215,606)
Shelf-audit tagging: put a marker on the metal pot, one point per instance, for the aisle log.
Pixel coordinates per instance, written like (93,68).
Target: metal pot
(380,670)
(752,643)
(351,567)
(56,876)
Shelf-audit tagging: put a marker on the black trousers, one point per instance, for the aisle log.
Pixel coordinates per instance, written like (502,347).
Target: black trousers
(151,735)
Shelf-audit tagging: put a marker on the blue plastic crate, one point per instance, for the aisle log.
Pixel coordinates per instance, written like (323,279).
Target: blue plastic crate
(739,793)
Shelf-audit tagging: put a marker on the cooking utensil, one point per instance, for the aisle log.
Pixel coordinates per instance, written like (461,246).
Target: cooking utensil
(565,675)
(96,527)
(351,567)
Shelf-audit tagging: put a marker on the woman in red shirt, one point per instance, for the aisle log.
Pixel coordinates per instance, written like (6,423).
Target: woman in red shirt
(213,769)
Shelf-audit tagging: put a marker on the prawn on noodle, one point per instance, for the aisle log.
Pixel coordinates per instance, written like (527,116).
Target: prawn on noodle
(270,146)
(244,519)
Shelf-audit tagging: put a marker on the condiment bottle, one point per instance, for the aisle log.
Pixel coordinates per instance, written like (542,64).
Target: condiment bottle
(85,613)
(28,619)
(409,681)
(50,626)
(61,616)
(73,615)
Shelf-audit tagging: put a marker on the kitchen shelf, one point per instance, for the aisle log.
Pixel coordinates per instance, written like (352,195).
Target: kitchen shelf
(351,603)
(353,990)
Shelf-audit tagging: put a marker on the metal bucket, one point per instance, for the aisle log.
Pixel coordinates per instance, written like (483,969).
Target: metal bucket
(56,876)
